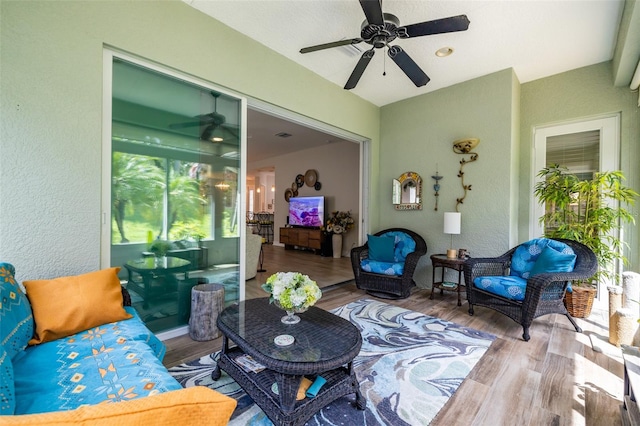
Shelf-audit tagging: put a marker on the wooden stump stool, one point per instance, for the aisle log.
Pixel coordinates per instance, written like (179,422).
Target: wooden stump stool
(207,301)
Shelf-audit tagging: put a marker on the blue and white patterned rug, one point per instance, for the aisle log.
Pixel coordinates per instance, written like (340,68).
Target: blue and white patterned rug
(409,366)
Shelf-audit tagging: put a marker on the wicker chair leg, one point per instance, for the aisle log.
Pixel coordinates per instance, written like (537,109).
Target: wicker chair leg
(470,309)
(578,329)
(525,334)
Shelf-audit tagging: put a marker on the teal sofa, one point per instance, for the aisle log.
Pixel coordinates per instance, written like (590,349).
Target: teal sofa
(115,362)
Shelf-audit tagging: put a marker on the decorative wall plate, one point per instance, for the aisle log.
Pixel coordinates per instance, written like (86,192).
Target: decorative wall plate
(300,180)
(317,186)
(294,186)
(288,193)
(310,177)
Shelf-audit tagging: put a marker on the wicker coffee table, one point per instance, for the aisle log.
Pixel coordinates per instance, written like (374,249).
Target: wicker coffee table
(324,345)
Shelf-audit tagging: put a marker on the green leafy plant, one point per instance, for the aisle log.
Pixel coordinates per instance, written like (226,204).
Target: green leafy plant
(589,211)
(160,247)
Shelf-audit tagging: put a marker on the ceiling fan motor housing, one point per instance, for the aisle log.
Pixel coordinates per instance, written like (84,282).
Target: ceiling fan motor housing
(379,36)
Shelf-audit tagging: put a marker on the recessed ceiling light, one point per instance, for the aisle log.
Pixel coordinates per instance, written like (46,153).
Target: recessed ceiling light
(445,51)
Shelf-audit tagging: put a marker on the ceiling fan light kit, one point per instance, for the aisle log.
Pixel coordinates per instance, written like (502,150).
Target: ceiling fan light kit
(444,52)
(379,29)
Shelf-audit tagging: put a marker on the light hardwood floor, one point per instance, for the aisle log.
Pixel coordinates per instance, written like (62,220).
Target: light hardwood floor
(554,379)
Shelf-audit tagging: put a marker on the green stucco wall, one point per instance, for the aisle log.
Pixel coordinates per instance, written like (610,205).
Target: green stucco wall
(417,135)
(51,60)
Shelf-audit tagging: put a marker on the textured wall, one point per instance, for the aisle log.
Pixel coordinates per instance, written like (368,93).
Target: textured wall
(51,108)
(417,135)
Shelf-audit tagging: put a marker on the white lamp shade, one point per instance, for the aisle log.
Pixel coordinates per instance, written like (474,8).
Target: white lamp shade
(452,222)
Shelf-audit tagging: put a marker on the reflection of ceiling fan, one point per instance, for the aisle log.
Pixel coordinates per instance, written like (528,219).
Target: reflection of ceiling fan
(211,123)
(379,29)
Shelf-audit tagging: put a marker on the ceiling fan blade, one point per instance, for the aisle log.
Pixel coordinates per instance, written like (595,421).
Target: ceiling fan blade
(408,66)
(373,11)
(330,45)
(359,69)
(438,26)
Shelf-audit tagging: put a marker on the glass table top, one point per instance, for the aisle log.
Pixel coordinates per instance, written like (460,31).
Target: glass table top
(320,336)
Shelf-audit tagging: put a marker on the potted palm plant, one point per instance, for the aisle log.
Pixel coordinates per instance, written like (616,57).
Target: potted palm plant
(591,212)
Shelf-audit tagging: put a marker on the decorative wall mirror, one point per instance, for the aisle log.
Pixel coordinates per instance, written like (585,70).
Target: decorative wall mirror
(407,192)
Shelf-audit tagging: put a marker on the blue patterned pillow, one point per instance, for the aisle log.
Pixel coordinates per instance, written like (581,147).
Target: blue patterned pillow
(404,245)
(525,256)
(16,319)
(7,391)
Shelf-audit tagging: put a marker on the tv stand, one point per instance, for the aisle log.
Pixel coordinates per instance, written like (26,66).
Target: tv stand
(302,238)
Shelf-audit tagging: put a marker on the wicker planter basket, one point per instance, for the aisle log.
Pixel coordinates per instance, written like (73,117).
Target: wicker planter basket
(580,301)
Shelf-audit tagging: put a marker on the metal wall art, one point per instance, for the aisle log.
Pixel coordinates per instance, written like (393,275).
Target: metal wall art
(463,147)
(436,186)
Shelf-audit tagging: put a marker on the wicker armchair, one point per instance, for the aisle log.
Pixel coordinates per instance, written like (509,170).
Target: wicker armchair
(388,286)
(544,292)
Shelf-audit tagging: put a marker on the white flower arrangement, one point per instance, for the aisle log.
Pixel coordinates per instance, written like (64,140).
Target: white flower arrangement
(339,222)
(292,291)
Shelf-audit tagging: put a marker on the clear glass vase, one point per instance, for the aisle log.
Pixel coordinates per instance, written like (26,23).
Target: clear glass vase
(291,317)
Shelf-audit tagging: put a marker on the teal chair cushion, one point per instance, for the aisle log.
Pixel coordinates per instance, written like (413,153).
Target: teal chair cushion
(403,245)
(384,268)
(506,286)
(16,319)
(533,257)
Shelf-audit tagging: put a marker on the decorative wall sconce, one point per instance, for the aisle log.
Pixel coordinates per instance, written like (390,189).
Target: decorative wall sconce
(465,146)
(436,186)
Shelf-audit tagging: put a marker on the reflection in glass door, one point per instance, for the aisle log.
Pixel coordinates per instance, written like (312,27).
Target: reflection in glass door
(175,179)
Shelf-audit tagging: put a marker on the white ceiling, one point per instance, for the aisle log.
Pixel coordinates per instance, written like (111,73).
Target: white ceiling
(537,38)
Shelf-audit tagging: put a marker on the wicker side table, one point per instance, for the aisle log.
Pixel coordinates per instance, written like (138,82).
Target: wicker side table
(443,262)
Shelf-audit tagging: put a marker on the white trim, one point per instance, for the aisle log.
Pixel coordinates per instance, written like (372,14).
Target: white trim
(105,211)
(174,332)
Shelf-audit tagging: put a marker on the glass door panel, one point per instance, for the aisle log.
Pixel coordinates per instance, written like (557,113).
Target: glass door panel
(175,171)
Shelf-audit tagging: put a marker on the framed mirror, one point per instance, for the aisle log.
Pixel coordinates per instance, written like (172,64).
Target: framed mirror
(407,192)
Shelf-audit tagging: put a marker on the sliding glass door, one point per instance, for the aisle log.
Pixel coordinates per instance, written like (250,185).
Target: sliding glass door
(174,207)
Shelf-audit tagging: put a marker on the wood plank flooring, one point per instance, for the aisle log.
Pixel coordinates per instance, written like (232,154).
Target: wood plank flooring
(554,379)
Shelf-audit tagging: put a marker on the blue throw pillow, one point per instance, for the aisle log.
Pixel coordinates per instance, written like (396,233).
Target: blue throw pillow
(381,248)
(16,320)
(551,260)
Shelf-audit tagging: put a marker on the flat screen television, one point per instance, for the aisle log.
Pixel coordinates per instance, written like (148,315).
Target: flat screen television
(306,212)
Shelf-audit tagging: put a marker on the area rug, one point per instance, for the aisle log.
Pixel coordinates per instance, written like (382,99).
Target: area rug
(409,366)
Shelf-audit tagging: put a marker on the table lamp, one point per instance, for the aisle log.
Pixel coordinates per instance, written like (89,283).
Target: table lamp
(452,226)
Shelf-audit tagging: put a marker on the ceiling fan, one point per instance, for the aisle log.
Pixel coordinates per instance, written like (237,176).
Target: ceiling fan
(379,29)
(210,122)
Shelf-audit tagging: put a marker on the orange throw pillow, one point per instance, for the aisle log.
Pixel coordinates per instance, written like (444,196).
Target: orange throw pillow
(67,305)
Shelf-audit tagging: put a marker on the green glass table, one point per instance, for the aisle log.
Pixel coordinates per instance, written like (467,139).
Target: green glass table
(152,277)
